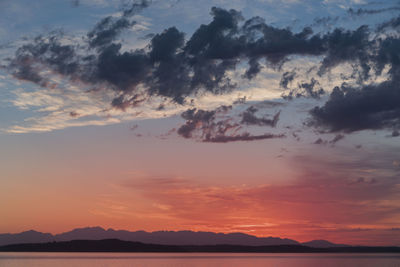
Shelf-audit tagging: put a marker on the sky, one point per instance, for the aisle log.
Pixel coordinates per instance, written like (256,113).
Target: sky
(272,118)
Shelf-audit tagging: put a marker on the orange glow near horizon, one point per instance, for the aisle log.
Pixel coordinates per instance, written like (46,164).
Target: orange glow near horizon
(302,211)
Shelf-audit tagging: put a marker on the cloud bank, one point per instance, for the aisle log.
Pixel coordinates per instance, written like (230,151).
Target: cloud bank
(175,66)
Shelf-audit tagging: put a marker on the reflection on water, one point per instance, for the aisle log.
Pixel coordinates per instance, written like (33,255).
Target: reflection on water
(196,259)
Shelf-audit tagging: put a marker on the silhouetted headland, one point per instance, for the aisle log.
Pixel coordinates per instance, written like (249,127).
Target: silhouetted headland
(115,245)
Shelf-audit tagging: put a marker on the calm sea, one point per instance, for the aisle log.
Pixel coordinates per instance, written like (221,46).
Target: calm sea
(196,259)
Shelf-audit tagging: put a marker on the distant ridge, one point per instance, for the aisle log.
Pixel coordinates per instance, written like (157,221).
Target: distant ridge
(158,237)
(25,237)
(322,244)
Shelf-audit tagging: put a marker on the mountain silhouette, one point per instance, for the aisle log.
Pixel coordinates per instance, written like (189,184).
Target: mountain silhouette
(158,237)
(25,237)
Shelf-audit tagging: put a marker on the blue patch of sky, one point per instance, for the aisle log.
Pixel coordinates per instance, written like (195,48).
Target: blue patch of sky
(26,18)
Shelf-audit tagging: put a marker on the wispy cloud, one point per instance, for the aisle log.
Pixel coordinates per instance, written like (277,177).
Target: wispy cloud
(346,200)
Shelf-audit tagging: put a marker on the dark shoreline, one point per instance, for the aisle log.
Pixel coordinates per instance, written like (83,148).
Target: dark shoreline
(116,245)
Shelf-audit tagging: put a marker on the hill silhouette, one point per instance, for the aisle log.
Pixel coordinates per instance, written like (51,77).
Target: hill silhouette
(115,245)
(158,237)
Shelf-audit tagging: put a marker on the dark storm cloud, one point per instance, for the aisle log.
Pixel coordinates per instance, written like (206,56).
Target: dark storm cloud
(196,119)
(207,126)
(107,30)
(217,39)
(169,66)
(102,63)
(349,109)
(123,71)
(44,51)
(26,71)
(249,118)
(174,68)
(371,106)
(205,122)
(347,46)
(170,74)
(287,78)
(254,68)
(310,89)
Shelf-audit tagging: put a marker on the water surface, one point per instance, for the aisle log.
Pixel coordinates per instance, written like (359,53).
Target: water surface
(33,259)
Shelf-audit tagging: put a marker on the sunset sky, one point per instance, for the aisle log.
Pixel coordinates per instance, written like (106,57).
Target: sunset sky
(272,118)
